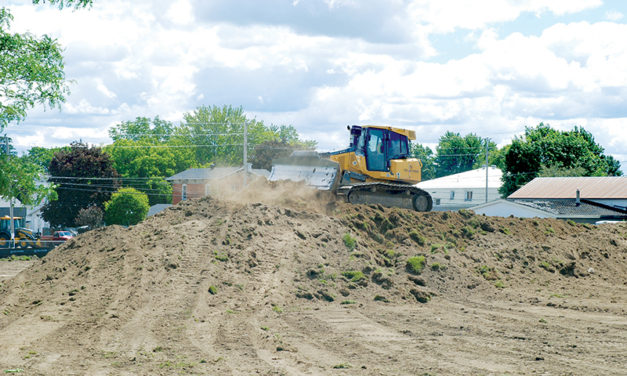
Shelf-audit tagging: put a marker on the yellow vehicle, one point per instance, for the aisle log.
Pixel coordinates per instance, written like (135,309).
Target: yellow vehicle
(375,169)
(24,237)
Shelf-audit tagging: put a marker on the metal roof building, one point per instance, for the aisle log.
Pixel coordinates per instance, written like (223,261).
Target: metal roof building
(590,187)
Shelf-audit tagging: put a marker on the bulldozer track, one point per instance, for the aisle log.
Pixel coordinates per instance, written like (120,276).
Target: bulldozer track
(390,195)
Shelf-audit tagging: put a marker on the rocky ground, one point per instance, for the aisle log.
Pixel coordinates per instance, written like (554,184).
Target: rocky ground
(289,281)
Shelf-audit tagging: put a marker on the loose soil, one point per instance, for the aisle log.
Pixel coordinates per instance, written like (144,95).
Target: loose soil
(289,281)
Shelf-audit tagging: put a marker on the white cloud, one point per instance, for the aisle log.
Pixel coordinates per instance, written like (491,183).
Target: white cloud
(181,12)
(614,15)
(322,64)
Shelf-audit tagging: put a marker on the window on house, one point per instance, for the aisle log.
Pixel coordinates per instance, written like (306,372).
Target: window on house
(452,195)
(437,201)
(468,195)
(184,192)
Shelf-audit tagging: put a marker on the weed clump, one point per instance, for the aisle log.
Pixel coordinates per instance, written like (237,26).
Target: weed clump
(213,290)
(417,237)
(488,273)
(221,256)
(415,264)
(354,275)
(349,241)
(468,232)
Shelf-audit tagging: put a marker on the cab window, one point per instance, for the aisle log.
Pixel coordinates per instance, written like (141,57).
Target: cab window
(397,146)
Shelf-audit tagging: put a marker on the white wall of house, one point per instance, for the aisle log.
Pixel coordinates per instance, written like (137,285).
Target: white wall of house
(456,198)
(503,208)
(463,190)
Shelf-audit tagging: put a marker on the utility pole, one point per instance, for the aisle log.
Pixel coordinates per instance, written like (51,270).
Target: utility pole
(11,220)
(245,153)
(487,142)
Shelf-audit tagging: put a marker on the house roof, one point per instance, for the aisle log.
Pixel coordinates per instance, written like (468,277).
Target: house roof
(468,179)
(512,203)
(157,208)
(560,208)
(204,173)
(590,187)
(568,208)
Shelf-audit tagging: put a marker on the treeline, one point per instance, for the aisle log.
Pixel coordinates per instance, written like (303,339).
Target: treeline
(146,151)
(541,152)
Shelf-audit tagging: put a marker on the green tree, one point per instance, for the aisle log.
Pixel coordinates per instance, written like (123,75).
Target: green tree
(264,153)
(455,154)
(84,177)
(285,141)
(144,165)
(42,156)
(22,179)
(217,134)
(143,128)
(425,154)
(127,207)
(31,72)
(548,151)
(31,68)
(66,3)
(91,217)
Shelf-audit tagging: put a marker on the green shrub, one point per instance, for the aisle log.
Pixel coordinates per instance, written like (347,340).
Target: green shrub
(468,232)
(571,222)
(354,275)
(348,302)
(349,241)
(547,266)
(465,213)
(499,284)
(436,266)
(417,237)
(435,247)
(380,298)
(415,264)
(505,230)
(213,290)
(488,273)
(221,256)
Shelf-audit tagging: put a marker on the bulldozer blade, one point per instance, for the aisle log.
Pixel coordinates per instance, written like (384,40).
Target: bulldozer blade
(307,167)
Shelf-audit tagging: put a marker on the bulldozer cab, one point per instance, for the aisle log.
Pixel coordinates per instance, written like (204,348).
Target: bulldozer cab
(5,223)
(380,145)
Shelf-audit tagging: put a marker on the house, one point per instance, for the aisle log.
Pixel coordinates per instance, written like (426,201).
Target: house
(200,182)
(580,199)
(156,209)
(463,190)
(604,190)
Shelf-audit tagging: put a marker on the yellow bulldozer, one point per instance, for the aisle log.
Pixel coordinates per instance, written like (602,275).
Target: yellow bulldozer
(375,169)
(24,237)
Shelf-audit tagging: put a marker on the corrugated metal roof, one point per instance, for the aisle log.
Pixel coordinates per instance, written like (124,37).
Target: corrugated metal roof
(468,179)
(591,187)
(569,208)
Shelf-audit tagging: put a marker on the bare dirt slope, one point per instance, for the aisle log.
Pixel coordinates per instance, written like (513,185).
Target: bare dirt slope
(306,285)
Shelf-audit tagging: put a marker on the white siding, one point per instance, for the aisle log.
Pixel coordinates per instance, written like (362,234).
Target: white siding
(502,208)
(444,194)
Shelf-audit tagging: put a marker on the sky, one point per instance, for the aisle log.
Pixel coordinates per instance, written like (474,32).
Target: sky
(490,67)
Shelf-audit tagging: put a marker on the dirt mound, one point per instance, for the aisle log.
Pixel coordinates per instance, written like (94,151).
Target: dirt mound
(262,284)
